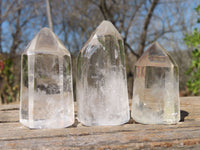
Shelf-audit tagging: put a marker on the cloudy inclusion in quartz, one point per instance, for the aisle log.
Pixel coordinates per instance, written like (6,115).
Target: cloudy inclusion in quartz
(156,88)
(102,96)
(46,83)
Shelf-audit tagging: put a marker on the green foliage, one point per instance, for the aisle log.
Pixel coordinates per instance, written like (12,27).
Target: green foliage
(198,12)
(193,40)
(8,88)
(193,83)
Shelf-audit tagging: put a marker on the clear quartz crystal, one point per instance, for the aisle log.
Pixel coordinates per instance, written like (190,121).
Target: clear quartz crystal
(46,83)
(156,88)
(102,96)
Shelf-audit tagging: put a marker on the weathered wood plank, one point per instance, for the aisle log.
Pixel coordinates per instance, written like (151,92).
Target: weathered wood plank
(140,138)
(18,131)
(191,105)
(9,115)
(9,107)
(85,137)
(128,136)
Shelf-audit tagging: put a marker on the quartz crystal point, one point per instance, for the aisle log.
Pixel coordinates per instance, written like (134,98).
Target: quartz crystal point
(102,96)
(46,83)
(156,88)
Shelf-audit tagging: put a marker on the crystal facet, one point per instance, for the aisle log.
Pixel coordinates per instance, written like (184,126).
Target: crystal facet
(156,88)
(46,83)
(102,96)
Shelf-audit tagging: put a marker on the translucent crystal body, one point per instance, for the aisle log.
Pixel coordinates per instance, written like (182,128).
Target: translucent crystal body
(102,96)
(46,83)
(156,88)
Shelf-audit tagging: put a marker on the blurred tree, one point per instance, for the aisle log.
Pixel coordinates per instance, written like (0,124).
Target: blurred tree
(4,12)
(0,26)
(8,89)
(15,20)
(49,15)
(193,40)
(139,21)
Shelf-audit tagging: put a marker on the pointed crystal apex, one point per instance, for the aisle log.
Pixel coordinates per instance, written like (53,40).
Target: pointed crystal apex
(156,55)
(156,50)
(47,42)
(107,28)
(104,33)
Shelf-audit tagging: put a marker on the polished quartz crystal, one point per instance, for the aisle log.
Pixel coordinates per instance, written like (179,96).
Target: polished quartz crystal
(156,88)
(46,83)
(102,96)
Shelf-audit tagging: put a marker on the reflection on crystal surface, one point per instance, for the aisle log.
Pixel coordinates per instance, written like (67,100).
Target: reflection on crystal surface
(102,95)
(46,83)
(156,88)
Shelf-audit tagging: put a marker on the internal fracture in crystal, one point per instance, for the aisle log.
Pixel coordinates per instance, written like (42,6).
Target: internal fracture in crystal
(102,96)
(156,88)
(46,83)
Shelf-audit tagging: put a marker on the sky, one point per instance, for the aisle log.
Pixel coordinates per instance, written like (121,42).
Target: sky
(189,15)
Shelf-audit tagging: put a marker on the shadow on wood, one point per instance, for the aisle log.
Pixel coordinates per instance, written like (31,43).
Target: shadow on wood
(183,115)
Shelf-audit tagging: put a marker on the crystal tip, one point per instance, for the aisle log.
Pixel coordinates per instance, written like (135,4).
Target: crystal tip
(46,29)
(45,41)
(107,28)
(156,45)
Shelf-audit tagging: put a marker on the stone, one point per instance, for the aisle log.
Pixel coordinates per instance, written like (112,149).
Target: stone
(156,88)
(102,96)
(46,99)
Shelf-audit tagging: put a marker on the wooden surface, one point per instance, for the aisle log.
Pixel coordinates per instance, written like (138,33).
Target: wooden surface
(184,135)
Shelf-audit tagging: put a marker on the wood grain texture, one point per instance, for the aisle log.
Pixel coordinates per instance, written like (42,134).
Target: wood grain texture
(184,135)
